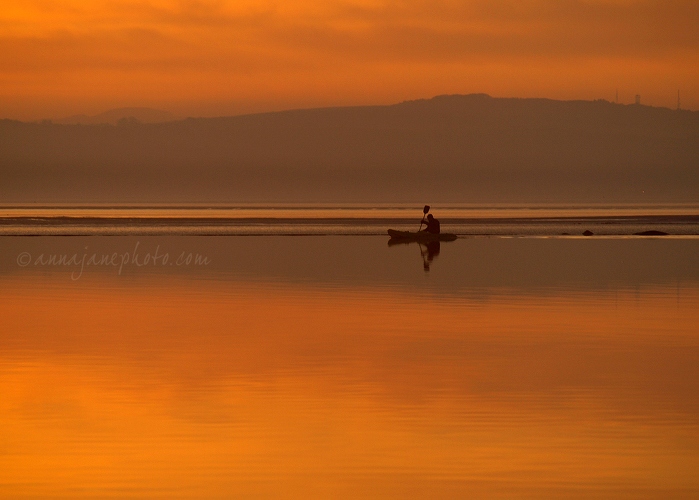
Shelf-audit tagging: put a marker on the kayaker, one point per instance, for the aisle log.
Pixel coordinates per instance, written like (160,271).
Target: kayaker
(432,225)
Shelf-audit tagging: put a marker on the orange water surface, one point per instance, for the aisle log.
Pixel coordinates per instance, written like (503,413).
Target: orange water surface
(168,386)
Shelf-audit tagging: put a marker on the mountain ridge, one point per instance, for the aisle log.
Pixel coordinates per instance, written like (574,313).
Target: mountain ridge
(113,116)
(458,148)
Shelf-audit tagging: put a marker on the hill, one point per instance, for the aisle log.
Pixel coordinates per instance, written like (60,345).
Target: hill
(470,148)
(114,116)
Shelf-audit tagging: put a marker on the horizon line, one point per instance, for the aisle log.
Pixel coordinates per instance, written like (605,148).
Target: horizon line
(178,117)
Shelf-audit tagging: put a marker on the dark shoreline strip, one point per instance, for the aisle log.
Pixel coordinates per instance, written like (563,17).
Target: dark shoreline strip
(236,221)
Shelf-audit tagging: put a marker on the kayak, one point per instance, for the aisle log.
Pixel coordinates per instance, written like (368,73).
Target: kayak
(421,236)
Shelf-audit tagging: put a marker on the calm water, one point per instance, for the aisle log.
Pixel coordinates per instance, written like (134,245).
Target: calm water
(340,367)
(358,219)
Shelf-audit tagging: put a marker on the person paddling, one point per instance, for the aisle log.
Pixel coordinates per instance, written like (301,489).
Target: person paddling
(431,233)
(432,225)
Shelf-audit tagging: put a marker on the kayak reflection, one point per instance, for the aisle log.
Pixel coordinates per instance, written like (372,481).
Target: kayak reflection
(429,253)
(428,250)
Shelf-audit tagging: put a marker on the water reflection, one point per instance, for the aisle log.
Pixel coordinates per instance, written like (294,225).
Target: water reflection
(168,385)
(428,250)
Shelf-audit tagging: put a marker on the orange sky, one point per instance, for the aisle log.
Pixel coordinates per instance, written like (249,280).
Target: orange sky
(207,57)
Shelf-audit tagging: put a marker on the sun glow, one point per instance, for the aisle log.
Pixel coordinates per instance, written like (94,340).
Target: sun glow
(213,58)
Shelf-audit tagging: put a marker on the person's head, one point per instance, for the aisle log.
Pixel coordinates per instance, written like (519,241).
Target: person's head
(430,217)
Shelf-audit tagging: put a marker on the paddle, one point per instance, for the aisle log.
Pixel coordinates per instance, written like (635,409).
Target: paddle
(424,212)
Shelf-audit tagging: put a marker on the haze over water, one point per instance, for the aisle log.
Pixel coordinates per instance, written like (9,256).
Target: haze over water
(336,366)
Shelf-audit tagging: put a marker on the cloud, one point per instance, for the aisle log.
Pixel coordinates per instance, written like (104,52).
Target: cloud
(224,41)
(442,30)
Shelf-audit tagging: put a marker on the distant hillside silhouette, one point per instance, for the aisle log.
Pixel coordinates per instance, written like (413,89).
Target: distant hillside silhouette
(471,148)
(114,116)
